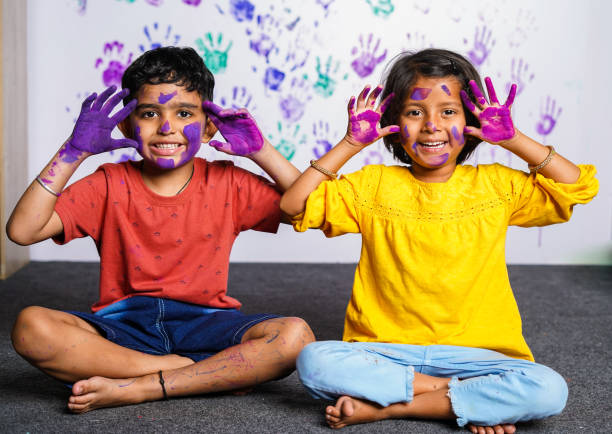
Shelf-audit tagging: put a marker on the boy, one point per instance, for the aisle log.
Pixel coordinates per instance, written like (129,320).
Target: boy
(164,227)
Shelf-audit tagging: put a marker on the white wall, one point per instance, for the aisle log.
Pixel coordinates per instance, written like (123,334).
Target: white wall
(561,45)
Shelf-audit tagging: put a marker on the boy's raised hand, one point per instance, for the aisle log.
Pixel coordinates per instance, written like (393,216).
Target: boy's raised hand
(364,120)
(237,127)
(92,130)
(496,124)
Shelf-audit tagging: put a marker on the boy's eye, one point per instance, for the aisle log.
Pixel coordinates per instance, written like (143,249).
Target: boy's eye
(184,114)
(148,114)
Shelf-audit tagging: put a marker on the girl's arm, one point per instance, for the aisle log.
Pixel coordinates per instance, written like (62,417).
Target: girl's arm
(497,128)
(34,218)
(363,129)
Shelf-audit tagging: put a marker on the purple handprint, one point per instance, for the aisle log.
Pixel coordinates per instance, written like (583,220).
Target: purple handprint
(519,74)
(483,43)
(116,62)
(192,2)
(525,23)
(237,127)
(241,98)
(366,62)
(269,32)
(417,41)
(321,133)
(373,157)
(292,105)
(92,131)
(548,117)
(155,40)
(155,3)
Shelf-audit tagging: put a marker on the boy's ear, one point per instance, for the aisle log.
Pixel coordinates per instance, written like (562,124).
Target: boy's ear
(209,131)
(126,128)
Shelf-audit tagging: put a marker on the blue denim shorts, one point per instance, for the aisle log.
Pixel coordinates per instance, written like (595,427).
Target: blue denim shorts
(160,326)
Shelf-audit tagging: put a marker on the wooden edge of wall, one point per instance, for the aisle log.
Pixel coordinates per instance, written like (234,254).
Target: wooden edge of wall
(13,126)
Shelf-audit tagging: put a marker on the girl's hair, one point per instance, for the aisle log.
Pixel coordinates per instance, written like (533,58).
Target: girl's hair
(405,69)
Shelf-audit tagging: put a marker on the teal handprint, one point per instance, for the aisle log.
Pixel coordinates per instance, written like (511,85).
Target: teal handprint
(326,84)
(381,8)
(211,52)
(287,145)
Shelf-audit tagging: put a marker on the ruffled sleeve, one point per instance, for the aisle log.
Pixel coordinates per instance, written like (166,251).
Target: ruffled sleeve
(540,201)
(332,206)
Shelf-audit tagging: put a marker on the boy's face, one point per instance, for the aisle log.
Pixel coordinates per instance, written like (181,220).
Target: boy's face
(169,125)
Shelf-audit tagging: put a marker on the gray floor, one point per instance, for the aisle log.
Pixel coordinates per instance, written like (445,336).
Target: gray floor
(567,318)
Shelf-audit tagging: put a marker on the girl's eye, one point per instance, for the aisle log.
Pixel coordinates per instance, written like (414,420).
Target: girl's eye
(449,112)
(184,114)
(412,113)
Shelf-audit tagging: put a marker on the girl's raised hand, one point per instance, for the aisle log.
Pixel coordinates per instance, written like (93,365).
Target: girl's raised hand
(364,120)
(92,130)
(237,127)
(495,119)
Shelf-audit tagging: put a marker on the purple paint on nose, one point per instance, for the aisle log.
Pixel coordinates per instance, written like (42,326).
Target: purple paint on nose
(165,97)
(165,127)
(460,138)
(431,126)
(446,90)
(420,93)
(440,159)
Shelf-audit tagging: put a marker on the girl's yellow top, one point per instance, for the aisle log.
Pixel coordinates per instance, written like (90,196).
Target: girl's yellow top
(432,267)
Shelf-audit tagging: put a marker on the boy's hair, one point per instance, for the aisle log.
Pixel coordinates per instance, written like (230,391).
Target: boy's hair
(432,62)
(179,65)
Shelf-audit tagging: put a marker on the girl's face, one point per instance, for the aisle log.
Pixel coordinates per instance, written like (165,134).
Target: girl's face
(431,124)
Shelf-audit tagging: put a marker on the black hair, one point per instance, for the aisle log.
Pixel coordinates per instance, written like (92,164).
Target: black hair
(405,70)
(179,65)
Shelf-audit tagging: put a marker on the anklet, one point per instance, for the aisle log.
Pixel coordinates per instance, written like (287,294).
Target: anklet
(161,382)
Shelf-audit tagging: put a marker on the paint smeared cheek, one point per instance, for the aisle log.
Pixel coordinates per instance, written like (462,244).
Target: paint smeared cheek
(420,93)
(165,163)
(138,139)
(458,136)
(165,97)
(446,89)
(165,127)
(414,148)
(439,160)
(193,133)
(406,133)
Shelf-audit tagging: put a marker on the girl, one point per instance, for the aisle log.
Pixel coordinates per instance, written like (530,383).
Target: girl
(432,329)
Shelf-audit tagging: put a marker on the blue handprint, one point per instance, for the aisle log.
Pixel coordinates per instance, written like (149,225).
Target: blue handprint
(366,62)
(320,132)
(214,58)
(268,33)
(156,40)
(242,10)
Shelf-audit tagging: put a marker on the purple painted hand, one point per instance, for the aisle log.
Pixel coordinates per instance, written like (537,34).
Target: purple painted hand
(237,127)
(495,120)
(364,127)
(92,131)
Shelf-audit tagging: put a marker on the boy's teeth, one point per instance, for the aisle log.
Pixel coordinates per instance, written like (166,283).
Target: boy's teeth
(167,145)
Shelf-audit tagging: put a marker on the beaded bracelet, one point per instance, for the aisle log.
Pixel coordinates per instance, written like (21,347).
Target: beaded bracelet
(314,164)
(535,168)
(46,187)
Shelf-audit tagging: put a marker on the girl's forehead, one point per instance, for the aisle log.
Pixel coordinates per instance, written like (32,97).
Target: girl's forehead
(434,87)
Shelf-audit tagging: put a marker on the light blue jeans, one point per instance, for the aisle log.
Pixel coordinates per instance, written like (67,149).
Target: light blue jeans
(493,388)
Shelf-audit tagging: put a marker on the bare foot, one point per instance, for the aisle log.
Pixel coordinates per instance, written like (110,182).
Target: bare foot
(351,411)
(506,428)
(100,392)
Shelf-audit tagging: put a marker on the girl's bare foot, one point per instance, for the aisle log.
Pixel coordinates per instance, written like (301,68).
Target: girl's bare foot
(351,411)
(506,428)
(100,392)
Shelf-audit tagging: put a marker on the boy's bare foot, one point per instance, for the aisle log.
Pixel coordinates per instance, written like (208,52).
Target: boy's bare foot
(100,392)
(506,428)
(351,411)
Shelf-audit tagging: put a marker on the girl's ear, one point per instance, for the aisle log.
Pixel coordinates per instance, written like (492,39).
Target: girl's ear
(209,130)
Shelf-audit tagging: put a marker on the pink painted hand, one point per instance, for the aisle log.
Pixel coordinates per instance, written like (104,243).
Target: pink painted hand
(237,127)
(496,124)
(364,121)
(92,130)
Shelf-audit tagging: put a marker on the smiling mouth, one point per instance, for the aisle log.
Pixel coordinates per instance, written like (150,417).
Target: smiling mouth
(166,149)
(432,147)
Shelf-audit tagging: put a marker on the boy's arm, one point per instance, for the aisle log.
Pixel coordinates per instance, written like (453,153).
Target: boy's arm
(34,218)
(363,129)
(497,128)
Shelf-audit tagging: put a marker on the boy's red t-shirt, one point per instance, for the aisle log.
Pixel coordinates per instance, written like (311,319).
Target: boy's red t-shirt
(172,247)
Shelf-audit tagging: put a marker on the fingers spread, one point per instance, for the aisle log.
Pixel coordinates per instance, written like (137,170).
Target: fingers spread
(97,105)
(491,91)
